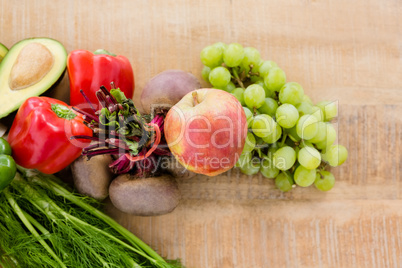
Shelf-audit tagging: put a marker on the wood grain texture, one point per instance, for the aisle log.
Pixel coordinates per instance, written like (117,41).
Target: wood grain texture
(346,51)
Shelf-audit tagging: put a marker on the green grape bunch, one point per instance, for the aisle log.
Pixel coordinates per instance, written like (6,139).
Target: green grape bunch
(290,139)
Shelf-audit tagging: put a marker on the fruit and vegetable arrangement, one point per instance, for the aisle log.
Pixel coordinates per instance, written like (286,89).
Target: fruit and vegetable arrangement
(251,119)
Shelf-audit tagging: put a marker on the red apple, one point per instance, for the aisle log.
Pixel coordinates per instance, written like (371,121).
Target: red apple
(206,131)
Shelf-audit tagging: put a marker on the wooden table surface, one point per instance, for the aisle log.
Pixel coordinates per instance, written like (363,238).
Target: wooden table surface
(345,51)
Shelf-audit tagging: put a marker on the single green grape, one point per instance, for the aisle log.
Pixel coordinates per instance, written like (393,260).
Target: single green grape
(287,115)
(284,182)
(291,93)
(251,57)
(239,94)
(205,73)
(324,180)
(243,160)
(329,139)
(222,46)
(265,66)
(306,98)
(212,56)
(307,127)
(229,87)
(274,136)
(321,133)
(254,96)
(260,62)
(249,144)
(263,125)
(304,107)
(219,77)
(250,122)
(329,109)
(275,79)
(269,107)
(249,114)
(336,155)
(260,82)
(309,157)
(284,158)
(251,168)
(268,169)
(317,113)
(233,55)
(304,177)
(292,134)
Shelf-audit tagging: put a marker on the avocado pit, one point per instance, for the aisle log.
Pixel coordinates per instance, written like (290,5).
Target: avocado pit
(33,62)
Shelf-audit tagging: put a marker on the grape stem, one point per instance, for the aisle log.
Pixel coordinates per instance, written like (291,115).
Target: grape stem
(283,139)
(238,80)
(323,167)
(250,73)
(322,177)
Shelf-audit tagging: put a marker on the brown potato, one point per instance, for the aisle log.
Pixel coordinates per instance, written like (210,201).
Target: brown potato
(144,196)
(167,88)
(92,177)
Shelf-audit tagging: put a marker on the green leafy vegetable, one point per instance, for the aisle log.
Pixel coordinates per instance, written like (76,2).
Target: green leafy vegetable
(43,224)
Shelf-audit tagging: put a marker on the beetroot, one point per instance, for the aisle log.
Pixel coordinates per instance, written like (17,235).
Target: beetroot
(144,196)
(167,88)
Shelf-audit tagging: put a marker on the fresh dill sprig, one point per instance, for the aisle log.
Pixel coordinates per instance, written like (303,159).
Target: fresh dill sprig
(43,224)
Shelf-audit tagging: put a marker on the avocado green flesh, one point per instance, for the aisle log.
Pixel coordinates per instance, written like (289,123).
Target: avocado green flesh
(11,100)
(3,51)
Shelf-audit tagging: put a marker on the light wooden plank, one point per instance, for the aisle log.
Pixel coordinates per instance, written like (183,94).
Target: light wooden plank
(345,51)
(287,233)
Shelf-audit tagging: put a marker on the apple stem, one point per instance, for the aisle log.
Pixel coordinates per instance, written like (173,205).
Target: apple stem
(195,98)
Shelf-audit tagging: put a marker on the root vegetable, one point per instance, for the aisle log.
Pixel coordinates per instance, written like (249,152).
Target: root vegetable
(92,177)
(144,196)
(167,88)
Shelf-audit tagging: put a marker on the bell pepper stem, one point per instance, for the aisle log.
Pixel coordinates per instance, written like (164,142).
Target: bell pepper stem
(104,52)
(63,111)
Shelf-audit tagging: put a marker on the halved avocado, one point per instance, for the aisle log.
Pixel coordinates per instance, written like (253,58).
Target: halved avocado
(3,51)
(30,67)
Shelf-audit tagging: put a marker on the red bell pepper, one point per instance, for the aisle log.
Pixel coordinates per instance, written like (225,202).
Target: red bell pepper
(88,71)
(40,135)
